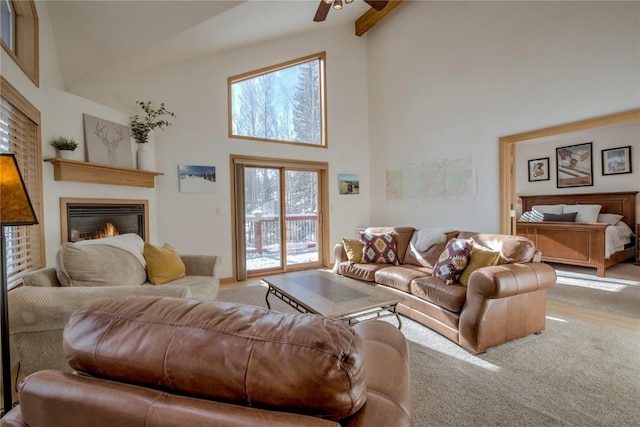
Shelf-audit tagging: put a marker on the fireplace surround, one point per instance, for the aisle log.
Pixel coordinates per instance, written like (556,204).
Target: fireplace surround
(86,218)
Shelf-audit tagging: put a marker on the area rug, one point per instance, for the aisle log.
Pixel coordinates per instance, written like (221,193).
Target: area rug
(573,374)
(618,292)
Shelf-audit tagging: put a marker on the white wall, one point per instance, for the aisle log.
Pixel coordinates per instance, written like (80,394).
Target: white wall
(197,92)
(622,135)
(447,79)
(62,116)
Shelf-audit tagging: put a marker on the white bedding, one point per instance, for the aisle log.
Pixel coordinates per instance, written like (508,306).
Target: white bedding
(617,236)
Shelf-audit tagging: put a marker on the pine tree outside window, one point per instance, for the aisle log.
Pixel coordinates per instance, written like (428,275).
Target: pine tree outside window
(280,103)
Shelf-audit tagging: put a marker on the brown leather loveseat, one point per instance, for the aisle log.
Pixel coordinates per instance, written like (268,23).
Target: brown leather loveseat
(151,361)
(499,303)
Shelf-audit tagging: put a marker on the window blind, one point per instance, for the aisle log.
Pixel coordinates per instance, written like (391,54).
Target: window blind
(18,135)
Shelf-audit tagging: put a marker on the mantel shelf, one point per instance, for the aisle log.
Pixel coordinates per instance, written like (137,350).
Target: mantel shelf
(73,170)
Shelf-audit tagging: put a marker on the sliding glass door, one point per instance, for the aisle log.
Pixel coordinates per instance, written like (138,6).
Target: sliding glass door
(279,222)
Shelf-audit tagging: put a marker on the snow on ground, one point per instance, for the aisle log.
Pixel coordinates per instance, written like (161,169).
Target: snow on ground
(194,184)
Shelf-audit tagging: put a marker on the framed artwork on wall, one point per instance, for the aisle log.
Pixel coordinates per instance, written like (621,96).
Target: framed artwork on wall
(197,179)
(574,165)
(107,143)
(539,169)
(348,183)
(616,161)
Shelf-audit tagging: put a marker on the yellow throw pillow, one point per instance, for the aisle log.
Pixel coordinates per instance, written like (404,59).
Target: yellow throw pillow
(480,257)
(353,248)
(163,264)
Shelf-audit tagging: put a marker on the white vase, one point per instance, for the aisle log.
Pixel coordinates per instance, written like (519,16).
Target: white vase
(65,154)
(144,160)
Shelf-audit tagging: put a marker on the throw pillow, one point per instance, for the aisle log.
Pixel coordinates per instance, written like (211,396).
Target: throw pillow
(163,264)
(480,257)
(353,248)
(379,248)
(568,217)
(453,260)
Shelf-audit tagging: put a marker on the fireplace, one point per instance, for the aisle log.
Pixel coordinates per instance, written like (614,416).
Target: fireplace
(83,219)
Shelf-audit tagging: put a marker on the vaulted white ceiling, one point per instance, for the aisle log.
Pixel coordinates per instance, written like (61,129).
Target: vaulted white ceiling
(101,39)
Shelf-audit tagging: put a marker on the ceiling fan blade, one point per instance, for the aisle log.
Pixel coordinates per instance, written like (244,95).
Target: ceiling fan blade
(323,10)
(376,4)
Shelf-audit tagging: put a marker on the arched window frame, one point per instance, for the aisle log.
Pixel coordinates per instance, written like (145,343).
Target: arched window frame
(25,51)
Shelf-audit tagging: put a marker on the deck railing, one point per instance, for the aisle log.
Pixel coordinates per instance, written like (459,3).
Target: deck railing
(263,232)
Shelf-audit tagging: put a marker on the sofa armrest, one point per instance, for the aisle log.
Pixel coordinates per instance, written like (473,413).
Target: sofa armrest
(34,309)
(200,265)
(340,255)
(42,278)
(504,302)
(505,280)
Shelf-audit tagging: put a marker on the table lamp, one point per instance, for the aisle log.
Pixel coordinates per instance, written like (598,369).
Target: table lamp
(15,210)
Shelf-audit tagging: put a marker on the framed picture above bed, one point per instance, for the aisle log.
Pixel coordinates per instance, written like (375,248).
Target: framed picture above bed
(616,160)
(574,164)
(539,169)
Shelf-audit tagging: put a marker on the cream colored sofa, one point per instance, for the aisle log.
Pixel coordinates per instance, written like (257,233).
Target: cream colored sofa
(40,308)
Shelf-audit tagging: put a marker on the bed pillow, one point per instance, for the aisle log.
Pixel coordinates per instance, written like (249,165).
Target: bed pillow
(379,248)
(567,217)
(553,209)
(611,219)
(353,248)
(531,216)
(453,260)
(586,213)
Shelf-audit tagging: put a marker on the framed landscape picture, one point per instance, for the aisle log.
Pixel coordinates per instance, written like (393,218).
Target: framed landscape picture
(616,160)
(574,165)
(539,169)
(197,179)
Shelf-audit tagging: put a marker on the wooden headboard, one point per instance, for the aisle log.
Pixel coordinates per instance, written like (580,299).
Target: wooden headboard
(623,203)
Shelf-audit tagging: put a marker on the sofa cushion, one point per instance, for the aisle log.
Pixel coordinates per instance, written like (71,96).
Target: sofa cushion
(436,291)
(353,249)
(402,235)
(365,272)
(98,265)
(453,260)
(400,277)
(429,257)
(512,248)
(480,257)
(163,263)
(379,248)
(312,363)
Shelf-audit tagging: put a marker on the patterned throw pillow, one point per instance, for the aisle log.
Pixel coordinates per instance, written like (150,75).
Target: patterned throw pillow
(453,260)
(379,248)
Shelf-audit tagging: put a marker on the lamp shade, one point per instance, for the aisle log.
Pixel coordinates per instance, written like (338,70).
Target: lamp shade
(15,205)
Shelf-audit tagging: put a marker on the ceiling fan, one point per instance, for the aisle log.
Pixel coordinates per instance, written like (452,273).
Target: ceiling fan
(325,5)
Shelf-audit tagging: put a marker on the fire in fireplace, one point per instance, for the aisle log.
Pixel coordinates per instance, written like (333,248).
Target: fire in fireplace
(84,219)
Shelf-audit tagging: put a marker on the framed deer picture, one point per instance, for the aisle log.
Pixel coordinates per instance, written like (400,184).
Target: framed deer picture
(107,143)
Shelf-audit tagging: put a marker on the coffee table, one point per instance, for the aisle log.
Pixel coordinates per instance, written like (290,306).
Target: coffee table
(333,296)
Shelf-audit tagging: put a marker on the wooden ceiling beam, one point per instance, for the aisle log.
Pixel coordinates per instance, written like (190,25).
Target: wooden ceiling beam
(371,17)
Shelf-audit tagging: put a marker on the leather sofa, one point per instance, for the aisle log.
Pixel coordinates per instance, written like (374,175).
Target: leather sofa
(500,303)
(150,361)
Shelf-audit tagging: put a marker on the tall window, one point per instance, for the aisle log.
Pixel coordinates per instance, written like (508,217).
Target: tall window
(8,23)
(281,103)
(19,33)
(19,134)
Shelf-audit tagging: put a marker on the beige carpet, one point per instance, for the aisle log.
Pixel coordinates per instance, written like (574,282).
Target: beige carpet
(618,292)
(573,374)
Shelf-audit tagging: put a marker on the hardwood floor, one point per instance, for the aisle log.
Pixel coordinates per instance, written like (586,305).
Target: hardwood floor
(596,317)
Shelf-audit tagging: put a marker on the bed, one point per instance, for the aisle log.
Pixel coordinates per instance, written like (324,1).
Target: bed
(580,243)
